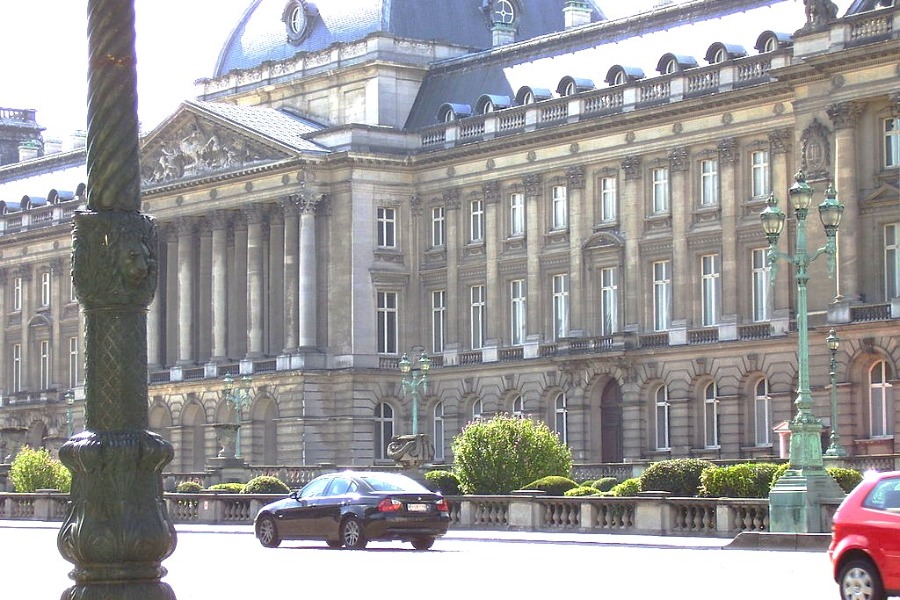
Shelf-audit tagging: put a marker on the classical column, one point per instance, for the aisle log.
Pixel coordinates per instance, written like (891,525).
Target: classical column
(451,247)
(4,353)
(117,530)
(290,206)
(203,300)
(237,291)
(308,273)
(255,292)
(28,366)
(59,347)
(728,204)
(680,207)
(493,231)
(187,228)
(219,220)
(273,337)
(845,116)
(577,212)
(632,220)
(534,287)
(781,179)
(154,314)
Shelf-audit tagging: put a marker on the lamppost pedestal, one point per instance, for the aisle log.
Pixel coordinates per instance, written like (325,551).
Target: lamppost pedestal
(411,452)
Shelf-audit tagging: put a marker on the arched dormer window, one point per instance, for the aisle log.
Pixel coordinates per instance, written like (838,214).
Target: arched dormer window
(672,63)
(719,53)
(530,95)
(569,85)
(619,75)
(503,11)
(488,103)
(770,41)
(298,16)
(450,111)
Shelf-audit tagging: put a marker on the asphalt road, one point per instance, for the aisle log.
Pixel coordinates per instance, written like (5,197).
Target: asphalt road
(226,564)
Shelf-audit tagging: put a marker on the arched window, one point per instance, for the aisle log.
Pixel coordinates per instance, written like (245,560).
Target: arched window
(771,44)
(504,12)
(439,431)
(384,429)
(762,414)
(881,400)
(619,78)
(488,107)
(662,418)
(671,67)
(561,418)
(518,406)
(720,56)
(477,410)
(710,417)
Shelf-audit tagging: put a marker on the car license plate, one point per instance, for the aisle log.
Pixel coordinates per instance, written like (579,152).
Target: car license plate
(417,507)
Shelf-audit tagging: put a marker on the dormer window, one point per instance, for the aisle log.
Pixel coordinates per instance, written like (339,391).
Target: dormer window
(770,41)
(503,12)
(569,85)
(530,95)
(528,98)
(297,17)
(719,56)
(771,45)
(671,67)
(487,107)
(619,78)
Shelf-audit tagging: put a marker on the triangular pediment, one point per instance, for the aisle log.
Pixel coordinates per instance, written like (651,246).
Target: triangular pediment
(203,139)
(886,193)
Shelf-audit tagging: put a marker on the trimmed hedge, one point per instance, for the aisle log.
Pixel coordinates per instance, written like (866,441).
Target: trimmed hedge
(604,484)
(552,485)
(266,484)
(445,482)
(629,487)
(230,487)
(678,476)
(746,480)
(583,490)
(188,487)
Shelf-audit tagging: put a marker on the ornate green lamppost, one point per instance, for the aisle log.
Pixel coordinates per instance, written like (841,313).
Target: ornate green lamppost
(834,447)
(795,499)
(117,530)
(413,451)
(238,398)
(412,380)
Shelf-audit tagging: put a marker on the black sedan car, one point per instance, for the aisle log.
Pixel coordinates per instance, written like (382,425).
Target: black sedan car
(351,508)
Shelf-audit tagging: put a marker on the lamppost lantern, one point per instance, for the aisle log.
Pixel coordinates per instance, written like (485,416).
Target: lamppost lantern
(801,195)
(424,364)
(772,219)
(830,211)
(414,450)
(833,341)
(405,364)
(237,397)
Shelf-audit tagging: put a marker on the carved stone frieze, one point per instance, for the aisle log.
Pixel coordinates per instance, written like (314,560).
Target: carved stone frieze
(631,166)
(575,177)
(678,159)
(728,154)
(532,183)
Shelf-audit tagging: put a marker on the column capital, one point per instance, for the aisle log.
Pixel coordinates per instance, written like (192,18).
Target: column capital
(779,140)
(728,151)
(532,183)
(678,159)
(894,99)
(631,166)
(575,177)
(220,219)
(451,198)
(186,226)
(309,203)
(254,214)
(844,115)
(290,205)
(491,191)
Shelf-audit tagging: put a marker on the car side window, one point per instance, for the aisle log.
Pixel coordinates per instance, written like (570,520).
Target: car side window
(339,487)
(884,496)
(314,488)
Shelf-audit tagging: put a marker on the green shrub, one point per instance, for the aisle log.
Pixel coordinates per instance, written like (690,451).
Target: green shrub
(445,482)
(33,470)
(778,473)
(552,485)
(746,480)
(629,487)
(231,488)
(583,490)
(679,476)
(504,453)
(605,484)
(266,484)
(188,487)
(846,478)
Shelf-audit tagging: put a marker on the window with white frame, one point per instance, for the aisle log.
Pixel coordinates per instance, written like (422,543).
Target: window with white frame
(45,288)
(74,362)
(438,224)
(438,319)
(518,407)
(17,294)
(711,291)
(387,322)
(660,190)
(477,310)
(477,409)
(608,199)
(17,368)
(762,414)
(561,305)
(709,182)
(759,173)
(892,142)
(762,288)
(560,204)
(561,418)
(476,220)
(881,400)
(384,429)
(516,214)
(517,312)
(44,364)
(662,294)
(710,416)
(891,262)
(661,405)
(387,227)
(438,431)
(609,300)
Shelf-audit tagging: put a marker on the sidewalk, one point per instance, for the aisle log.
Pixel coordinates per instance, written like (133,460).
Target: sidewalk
(791,542)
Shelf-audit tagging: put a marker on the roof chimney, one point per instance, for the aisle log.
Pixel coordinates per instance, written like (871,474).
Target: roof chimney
(29,149)
(503,33)
(576,13)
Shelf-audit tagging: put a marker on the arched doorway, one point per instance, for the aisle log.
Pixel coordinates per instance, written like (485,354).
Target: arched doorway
(611,423)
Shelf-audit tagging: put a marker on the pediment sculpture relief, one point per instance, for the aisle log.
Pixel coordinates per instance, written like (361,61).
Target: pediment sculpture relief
(197,149)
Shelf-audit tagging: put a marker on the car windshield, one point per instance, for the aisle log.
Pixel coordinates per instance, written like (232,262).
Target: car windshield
(885,495)
(388,482)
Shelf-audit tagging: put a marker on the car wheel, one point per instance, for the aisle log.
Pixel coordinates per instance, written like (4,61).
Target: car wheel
(267,532)
(423,543)
(859,580)
(334,543)
(352,534)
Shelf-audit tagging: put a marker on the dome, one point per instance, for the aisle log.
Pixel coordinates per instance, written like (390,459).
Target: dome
(275,30)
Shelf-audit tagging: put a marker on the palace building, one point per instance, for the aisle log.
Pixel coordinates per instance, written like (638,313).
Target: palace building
(558,206)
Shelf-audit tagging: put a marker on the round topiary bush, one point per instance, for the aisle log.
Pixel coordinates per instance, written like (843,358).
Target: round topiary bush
(266,484)
(846,478)
(604,484)
(629,487)
(504,453)
(552,485)
(679,476)
(746,480)
(583,490)
(445,482)
(230,487)
(33,470)
(188,487)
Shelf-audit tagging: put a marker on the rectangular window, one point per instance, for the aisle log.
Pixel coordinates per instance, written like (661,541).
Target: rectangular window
(662,294)
(516,214)
(662,418)
(560,208)
(761,284)
(759,165)
(561,306)
(608,199)
(561,420)
(891,262)
(881,400)
(517,311)
(437,226)
(17,294)
(709,182)
(17,368)
(711,280)
(45,288)
(45,364)
(386,321)
(476,221)
(660,191)
(74,363)
(439,431)
(609,301)
(762,412)
(387,227)
(438,320)
(477,314)
(892,142)
(711,417)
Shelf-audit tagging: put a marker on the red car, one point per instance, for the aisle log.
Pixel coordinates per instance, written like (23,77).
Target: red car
(865,539)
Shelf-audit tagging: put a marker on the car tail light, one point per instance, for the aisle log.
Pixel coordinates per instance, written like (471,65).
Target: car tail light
(442,505)
(389,505)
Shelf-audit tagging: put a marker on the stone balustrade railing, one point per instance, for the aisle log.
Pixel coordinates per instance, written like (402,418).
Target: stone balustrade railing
(651,513)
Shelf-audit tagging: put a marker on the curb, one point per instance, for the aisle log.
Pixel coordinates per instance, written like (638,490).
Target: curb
(793,542)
